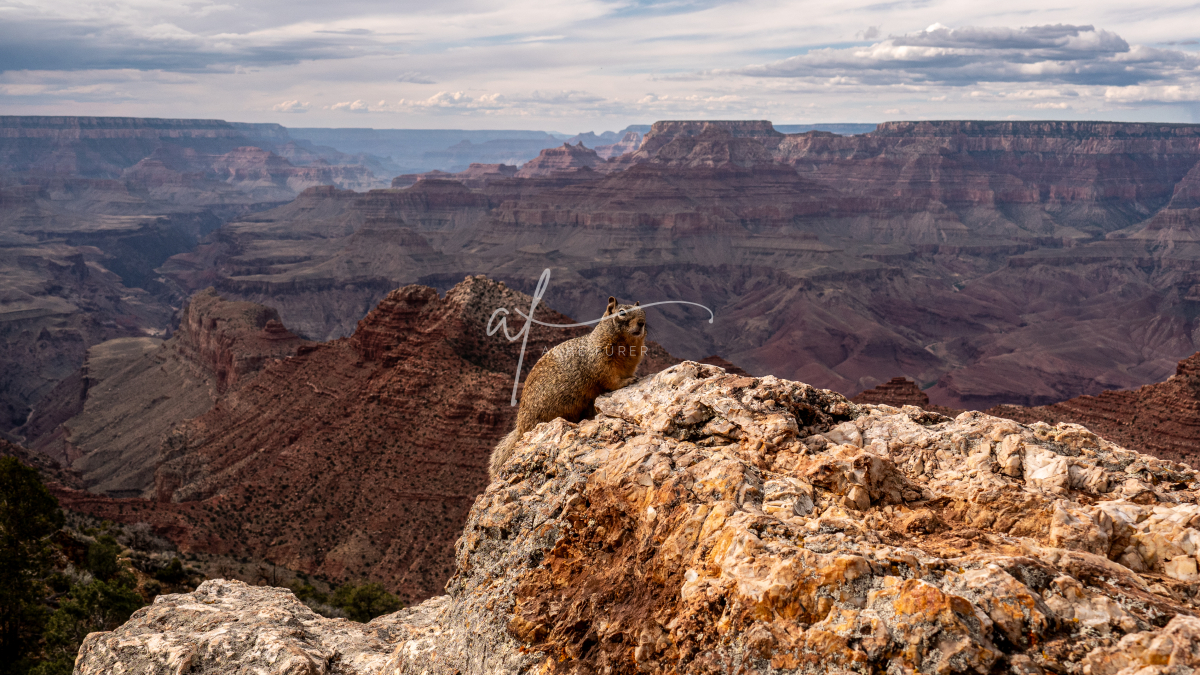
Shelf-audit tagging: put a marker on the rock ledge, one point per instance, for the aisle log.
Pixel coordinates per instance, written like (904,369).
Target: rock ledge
(707,522)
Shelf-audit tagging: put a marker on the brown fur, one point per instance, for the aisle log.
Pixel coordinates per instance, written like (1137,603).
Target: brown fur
(567,379)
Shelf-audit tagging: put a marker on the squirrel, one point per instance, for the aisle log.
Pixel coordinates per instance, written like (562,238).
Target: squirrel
(567,379)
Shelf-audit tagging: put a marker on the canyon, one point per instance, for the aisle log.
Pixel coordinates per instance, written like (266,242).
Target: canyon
(984,260)
(91,207)
(266,350)
(348,460)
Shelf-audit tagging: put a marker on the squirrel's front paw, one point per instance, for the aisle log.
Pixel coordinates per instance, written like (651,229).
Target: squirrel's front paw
(628,381)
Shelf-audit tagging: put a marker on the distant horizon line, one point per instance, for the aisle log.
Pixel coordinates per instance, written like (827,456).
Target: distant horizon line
(552,132)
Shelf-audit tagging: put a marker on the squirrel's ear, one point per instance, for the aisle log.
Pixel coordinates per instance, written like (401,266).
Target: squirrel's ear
(612,306)
(638,303)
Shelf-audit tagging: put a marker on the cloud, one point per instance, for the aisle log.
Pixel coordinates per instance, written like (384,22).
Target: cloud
(70,45)
(1154,94)
(938,55)
(870,33)
(351,106)
(455,100)
(198,36)
(595,62)
(540,38)
(415,78)
(291,107)
(521,103)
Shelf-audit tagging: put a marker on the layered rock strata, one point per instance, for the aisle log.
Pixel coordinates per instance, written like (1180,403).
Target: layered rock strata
(564,158)
(708,522)
(109,422)
(987,258)
(354,459)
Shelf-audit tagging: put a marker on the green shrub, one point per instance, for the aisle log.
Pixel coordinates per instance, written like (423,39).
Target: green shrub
(29,516)
(365,602)
(99,605)
(102,557)
(173,573)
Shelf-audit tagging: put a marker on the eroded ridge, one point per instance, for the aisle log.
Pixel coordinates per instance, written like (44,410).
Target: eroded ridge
(707,522)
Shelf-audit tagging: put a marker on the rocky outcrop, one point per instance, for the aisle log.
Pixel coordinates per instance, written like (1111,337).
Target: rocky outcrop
(897,392)
(564,158)
(261,629)
(665,133)
(227,341)
(712,522)
(1160,419)
(475,176)
(630,142)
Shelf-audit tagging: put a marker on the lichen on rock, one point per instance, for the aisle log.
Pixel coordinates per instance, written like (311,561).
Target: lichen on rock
(706,522)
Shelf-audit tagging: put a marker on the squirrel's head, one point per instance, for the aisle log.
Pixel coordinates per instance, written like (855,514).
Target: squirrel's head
(627,319)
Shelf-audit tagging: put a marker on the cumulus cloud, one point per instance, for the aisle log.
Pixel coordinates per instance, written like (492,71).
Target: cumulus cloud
(351,106)
(1154,94)
(939,55)
(455,100)
(521,104)
(291,107)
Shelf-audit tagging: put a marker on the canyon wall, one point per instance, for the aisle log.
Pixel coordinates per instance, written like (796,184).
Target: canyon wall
(991,262)
(353,459)
(90,207)
(108,422)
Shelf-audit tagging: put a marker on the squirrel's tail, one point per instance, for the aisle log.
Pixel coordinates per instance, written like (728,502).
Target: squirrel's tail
(504,450)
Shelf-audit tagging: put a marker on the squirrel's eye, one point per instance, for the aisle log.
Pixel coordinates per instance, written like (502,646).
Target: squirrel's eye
(621,314)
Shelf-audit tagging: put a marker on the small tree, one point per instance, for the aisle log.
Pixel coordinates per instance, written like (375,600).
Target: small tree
(29,516)
(363,603)
(99,605)
(102,557)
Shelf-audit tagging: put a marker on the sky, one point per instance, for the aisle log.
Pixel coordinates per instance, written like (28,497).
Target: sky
(580,65)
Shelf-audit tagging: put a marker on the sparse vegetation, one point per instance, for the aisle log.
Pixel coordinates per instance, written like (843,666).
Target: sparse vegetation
(361,602)
(60,580)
